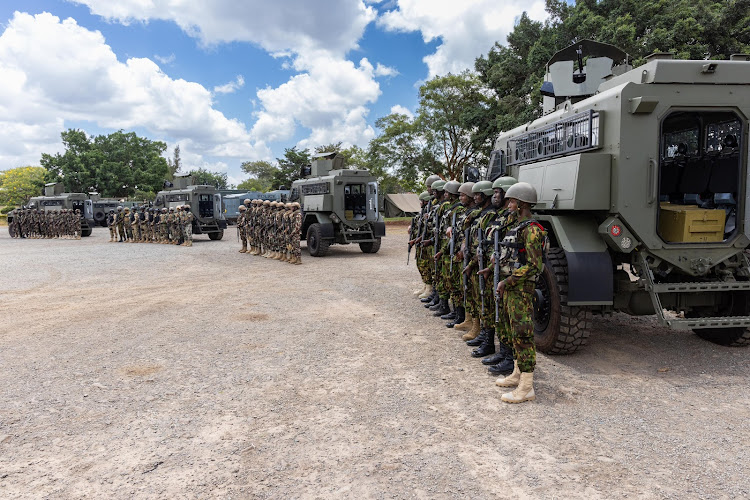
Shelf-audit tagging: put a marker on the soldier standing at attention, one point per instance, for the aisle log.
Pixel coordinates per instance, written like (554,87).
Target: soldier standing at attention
(241,228)
(136,224)
(526,242)
(119,222)
(112,225)
(127,225)
(296,233)
(188,225)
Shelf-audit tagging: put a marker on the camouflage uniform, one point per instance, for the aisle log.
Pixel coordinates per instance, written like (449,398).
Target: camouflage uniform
(189,217)
(296,233)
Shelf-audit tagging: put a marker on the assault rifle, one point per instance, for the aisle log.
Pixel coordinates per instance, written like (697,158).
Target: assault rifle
(497,275)
(467,232)
(436,239)
(453,240)
(480,261)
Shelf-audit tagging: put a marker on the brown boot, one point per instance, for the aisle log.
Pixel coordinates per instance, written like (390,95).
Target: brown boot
(512,379)
(467,323)
(524,391)
(475,329)
(244,247)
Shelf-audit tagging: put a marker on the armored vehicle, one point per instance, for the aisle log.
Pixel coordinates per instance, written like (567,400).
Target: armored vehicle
(56,199)
(204,202)
(339,205)
(642,182)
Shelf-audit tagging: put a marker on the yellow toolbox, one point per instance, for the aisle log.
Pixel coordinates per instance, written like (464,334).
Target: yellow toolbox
(690,224)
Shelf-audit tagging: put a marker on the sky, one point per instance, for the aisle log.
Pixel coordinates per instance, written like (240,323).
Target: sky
(229,81)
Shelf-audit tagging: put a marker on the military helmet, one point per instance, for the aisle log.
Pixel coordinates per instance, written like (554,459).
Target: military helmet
(466,188)
(504,183)
(127,209)
(438,185)
(266,203)
(452,187)
(171,209)
(247,201)
(287,205)
(434,177)
(111,210)
(295,205)
(119,209)
(484,187)
(522,191)
(242,208)
(424,196)
(164,210)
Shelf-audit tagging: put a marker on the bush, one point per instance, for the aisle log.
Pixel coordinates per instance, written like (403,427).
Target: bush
(7,209)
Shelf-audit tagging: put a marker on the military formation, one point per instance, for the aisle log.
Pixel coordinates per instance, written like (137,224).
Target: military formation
(479,252)
(33,223)
(151,225)
(271,229)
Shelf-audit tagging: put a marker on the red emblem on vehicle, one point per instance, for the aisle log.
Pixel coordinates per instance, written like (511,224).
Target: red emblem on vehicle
(616,230)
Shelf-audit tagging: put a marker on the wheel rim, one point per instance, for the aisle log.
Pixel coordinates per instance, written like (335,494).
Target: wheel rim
(313,242)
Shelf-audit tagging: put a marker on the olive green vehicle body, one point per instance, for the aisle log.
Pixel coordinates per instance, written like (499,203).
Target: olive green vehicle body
(604,165)
(204,202)
(339,206)
(55,199)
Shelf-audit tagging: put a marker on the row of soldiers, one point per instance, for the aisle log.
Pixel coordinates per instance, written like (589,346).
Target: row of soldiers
(271,229)
(479,248)
(34,223)
(151,225)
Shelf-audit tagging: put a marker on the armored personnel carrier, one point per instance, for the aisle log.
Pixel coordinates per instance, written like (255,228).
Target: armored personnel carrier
(339,205)
(56,199)
(204,202)
(642,182)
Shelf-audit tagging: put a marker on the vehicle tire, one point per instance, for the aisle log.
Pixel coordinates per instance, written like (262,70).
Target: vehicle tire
(216,236)
(12,230)
(558,327)
(737,305)
(370,246)
(316,245)
(86,231)
(100,218)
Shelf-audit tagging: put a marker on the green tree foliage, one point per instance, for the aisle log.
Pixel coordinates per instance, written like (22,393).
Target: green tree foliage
(175,163)
(115,165)
(201,176)
(450,116)
(17,185)
(262,175)
(290,167)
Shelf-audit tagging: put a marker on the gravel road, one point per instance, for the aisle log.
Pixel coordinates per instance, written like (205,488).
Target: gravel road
(154,371)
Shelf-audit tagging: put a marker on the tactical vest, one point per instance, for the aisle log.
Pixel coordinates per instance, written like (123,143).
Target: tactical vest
(513,248)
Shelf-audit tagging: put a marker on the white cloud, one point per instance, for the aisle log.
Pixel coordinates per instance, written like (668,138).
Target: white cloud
(56,71)
(165,59)
(466,29)
(400,110)
(381,70)
(231,87)
(328,95)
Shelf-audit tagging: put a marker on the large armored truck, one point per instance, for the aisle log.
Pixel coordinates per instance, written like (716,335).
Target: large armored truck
(642,178)
(339,205)
(204,202)
(56,199)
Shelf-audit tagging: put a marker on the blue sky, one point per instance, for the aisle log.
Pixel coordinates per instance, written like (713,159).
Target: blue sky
(228,81)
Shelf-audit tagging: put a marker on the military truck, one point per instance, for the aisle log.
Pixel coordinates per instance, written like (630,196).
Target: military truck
(204,202)
(642,182)
(55,198)
(339,205)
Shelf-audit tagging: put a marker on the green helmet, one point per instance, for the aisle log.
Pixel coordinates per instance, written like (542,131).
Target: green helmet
(434,177)
(438,185)
(424,196)
(452,187)
(466,188)
(522,191)
(484,187)
(504,183)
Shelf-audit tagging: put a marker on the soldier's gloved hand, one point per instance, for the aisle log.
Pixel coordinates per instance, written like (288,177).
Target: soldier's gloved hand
(438,255)
(484,272)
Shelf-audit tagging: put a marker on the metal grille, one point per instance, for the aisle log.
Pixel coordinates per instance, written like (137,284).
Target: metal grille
(579,132)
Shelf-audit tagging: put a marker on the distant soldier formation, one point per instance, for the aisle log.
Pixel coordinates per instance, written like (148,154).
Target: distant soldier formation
(479,249)
(34,223)
(271,229)
(151,225)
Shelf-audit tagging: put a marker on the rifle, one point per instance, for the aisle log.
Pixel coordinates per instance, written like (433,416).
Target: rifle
(467,233)
(453,239)
(480,259)
(413,232)
(436,239)
(497,274)
(424,225)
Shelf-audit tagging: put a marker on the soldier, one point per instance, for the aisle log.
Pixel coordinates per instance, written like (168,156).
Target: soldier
(415,231)
(296,233)
(265,217)
(444,254)
(163,230)
(127,225)
(458,296)
(523,252)
(426,250)
(251,227)
(136,225)
(171,232)
(189,217)
(241,224)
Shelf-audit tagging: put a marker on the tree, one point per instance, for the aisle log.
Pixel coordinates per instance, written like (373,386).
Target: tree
(290,167)
(17,185)
(175,163)
(262,175)
(202,176)
(115,165)
(447,118)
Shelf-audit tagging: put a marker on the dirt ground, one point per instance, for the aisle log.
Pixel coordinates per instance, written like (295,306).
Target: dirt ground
(154,371)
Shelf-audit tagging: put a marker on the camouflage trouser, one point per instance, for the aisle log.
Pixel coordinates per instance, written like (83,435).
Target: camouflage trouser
(424,264)
(242,233)
(456,286)
(487,319)
(517,318)
(443,280)
(112,232)
(188,232)
(121,231)
(137,232)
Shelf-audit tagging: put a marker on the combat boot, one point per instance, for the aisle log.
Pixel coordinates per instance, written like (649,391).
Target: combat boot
(524,391)
(510,380)
(430,301)
(460,317)
(504,365)
(487,346)
(451,314)
(442,309)
(473,333)
(421,290)
(244,248)
(466,323)
(434,302)
(427,292)
(298,260)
